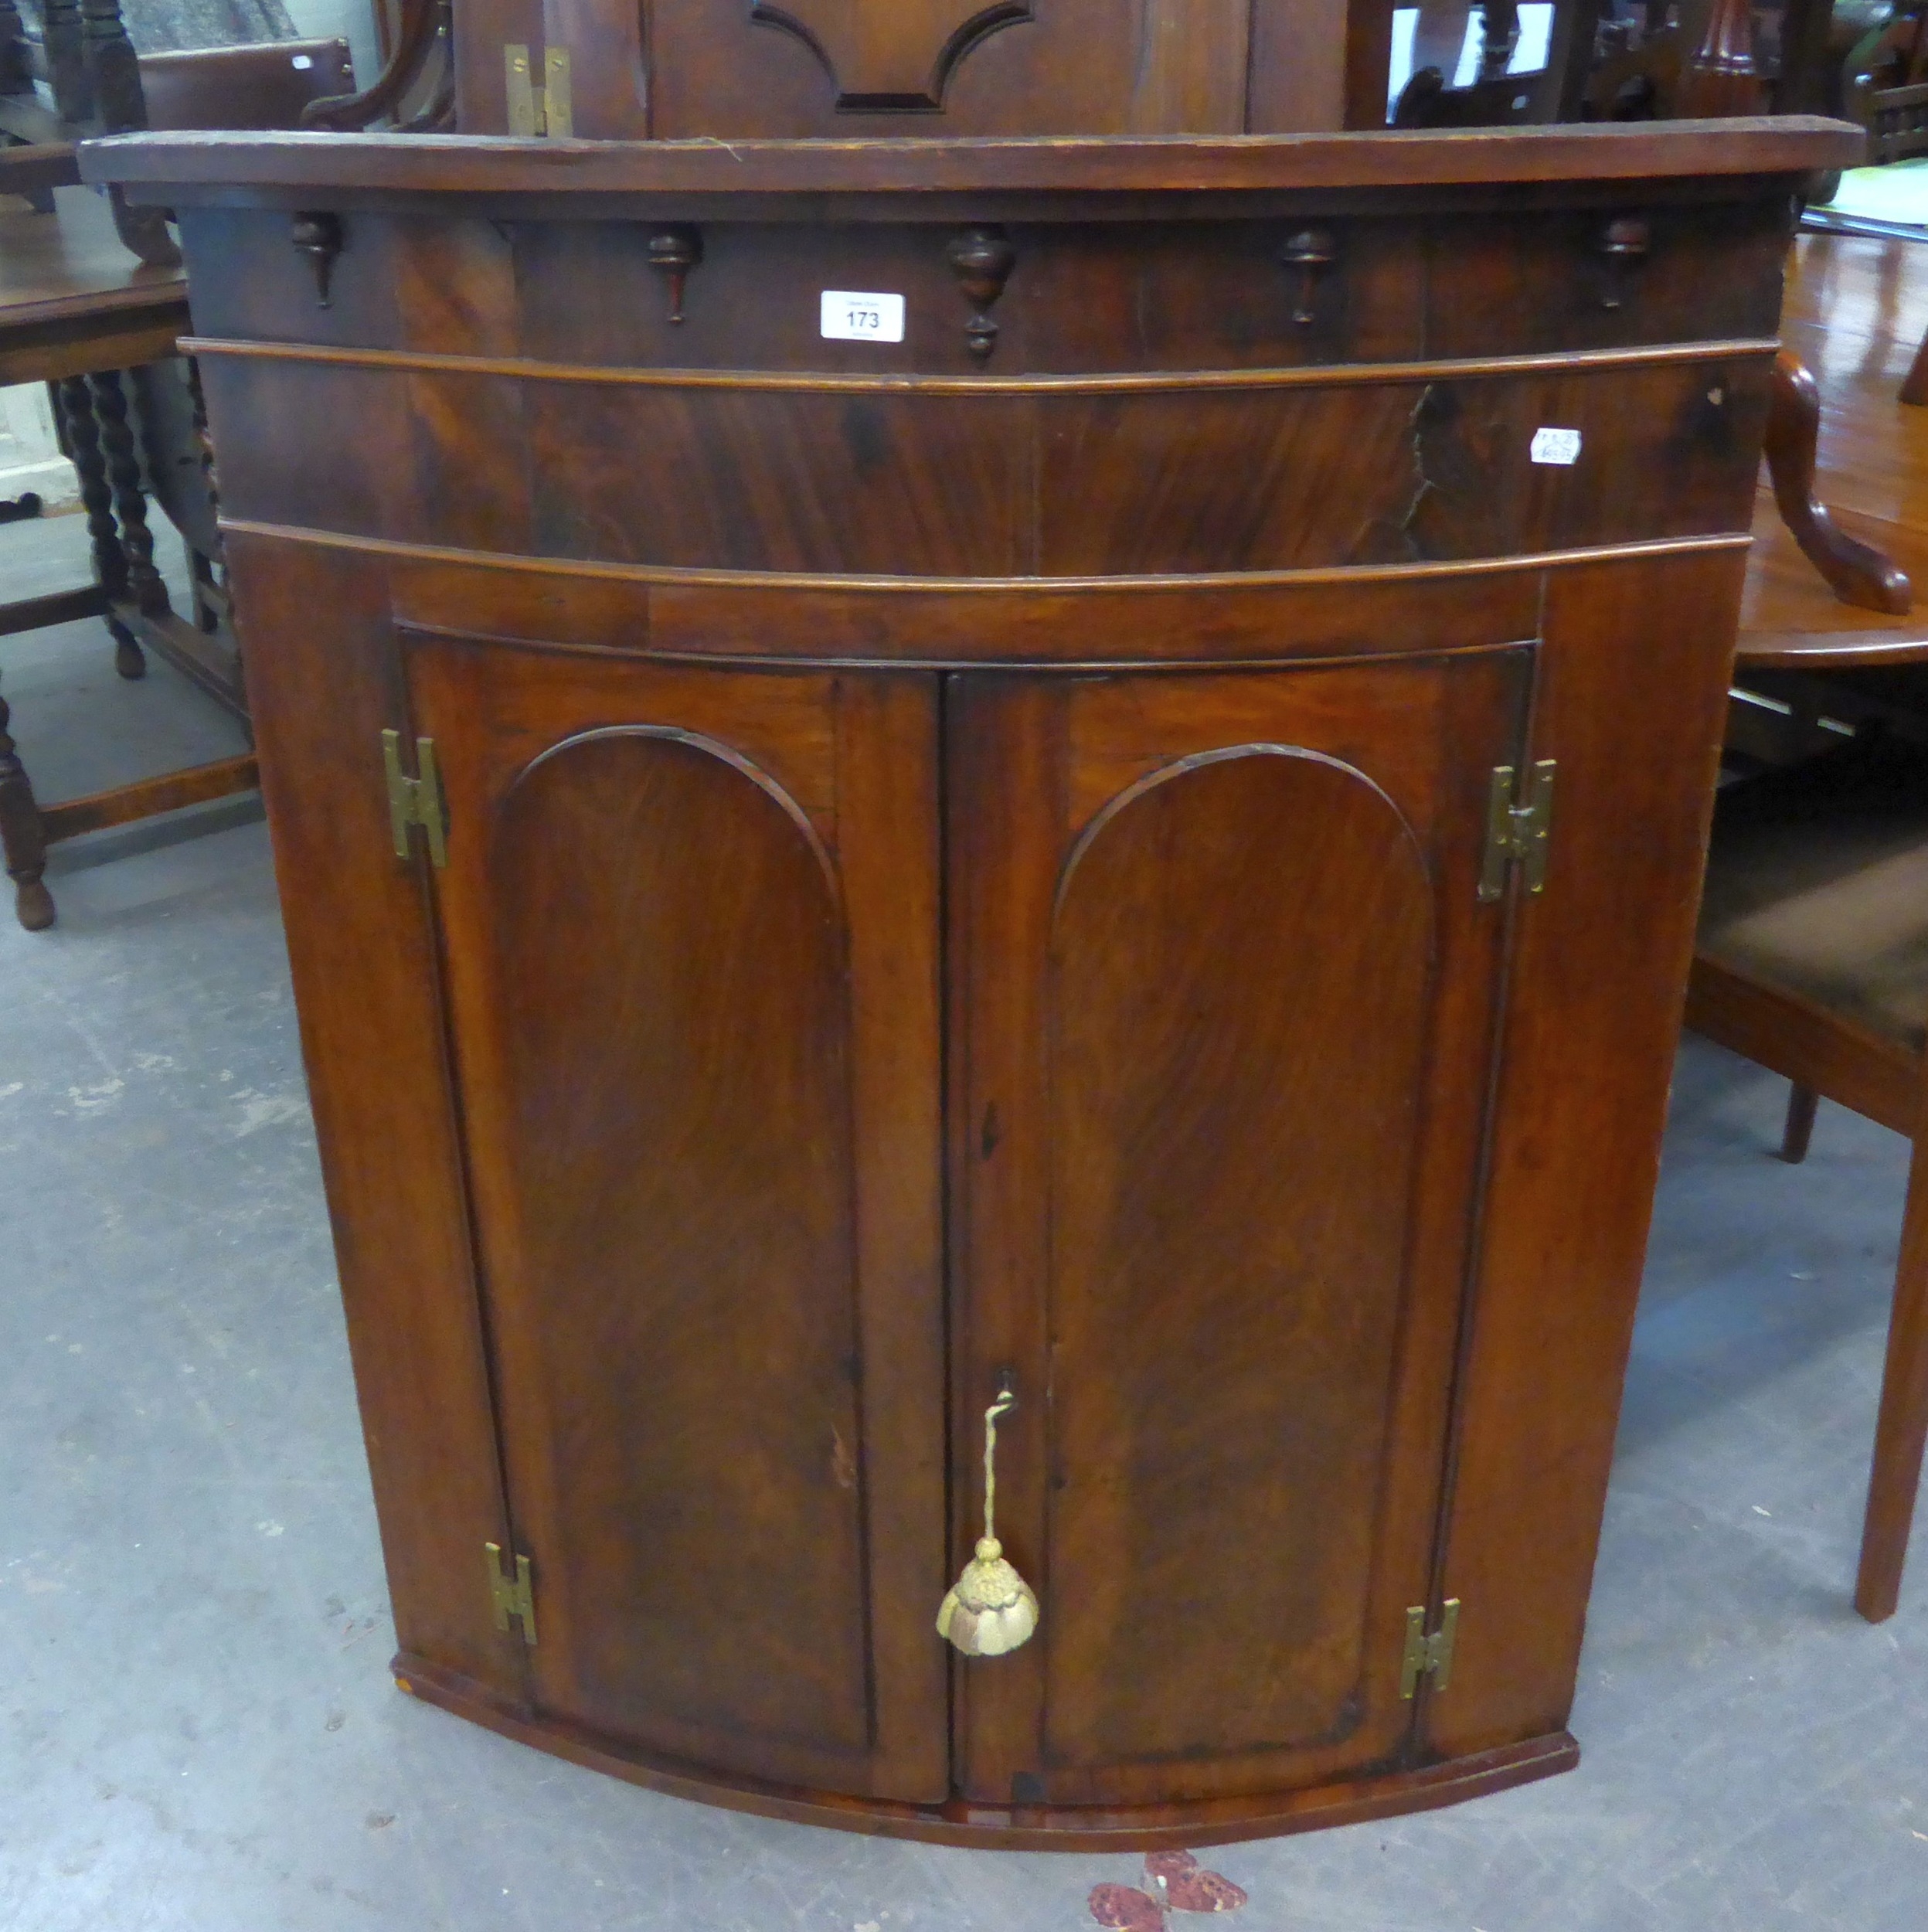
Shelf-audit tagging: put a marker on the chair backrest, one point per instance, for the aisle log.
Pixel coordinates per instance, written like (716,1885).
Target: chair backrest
(266,84)
(1885,86)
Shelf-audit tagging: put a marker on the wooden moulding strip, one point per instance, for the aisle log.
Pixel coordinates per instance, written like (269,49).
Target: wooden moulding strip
(695,576)
(1386,1794)
(1320,375)
(195,786)
(1569,157)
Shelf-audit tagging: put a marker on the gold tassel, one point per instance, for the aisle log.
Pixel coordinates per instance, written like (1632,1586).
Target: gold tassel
(991,1609)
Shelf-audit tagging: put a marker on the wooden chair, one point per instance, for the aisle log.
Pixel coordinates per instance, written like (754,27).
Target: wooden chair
(1812,960)
(1885,86)
(1804,964)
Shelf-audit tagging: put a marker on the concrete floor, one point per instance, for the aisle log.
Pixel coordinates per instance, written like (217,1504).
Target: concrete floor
(199,1731)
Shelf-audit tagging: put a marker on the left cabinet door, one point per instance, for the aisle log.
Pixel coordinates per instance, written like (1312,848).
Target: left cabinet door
(689,923)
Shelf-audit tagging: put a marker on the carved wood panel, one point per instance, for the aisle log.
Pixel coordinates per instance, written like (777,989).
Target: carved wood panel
(745,69)
(899,55)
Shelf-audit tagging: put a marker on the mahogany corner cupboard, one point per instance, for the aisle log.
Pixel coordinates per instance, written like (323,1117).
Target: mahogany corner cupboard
(907,768)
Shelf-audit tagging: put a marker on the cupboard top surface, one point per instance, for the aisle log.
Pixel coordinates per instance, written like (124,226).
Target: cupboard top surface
(1408,159)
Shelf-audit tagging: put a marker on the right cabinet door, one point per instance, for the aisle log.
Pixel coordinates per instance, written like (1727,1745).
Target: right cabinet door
(1224,999)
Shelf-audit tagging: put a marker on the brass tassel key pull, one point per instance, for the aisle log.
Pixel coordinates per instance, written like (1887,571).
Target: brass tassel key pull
(991,1609)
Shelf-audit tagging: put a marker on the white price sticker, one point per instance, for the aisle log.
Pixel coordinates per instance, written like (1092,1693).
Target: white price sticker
(849,317)
(1557,446)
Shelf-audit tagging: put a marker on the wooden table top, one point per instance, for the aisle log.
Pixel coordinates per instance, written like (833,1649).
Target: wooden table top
(1856,309)
(74,298)
(72,263)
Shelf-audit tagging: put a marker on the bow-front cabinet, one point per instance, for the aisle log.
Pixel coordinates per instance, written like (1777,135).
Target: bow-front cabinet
(1129,835)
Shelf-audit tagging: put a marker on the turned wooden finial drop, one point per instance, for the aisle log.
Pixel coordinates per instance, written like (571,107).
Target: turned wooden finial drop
(673,252)
(318,237)
(1311,251)
(1625,242)
(982,260)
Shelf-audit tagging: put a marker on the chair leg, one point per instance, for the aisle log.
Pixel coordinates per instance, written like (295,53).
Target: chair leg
(1801,1102)
(22,839)
(1903,1426)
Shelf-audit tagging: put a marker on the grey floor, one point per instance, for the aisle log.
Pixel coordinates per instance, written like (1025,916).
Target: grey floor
(198,1728)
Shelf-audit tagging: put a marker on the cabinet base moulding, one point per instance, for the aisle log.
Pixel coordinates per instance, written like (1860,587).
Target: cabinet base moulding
(1025,1828)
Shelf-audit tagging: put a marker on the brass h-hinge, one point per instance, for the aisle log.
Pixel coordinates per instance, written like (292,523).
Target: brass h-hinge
(546,110)
(415,801)
(1429,1656)
(512,1595)
(1518,825)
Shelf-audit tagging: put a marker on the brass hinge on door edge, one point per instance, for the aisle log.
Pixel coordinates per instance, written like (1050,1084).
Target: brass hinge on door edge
(546,110)
(1519,824)
(510,1596)
(415,801)
(1429,1656)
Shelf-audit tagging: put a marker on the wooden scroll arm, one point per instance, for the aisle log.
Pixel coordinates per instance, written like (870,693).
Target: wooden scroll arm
(422,22)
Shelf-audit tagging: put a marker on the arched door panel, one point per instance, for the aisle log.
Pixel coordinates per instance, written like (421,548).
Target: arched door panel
(1232,992)
(666,932)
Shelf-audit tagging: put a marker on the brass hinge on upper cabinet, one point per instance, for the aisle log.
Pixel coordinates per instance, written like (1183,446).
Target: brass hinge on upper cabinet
(512,1595)
(1429,1656)
(546,110)
(1518,826)
(415,801)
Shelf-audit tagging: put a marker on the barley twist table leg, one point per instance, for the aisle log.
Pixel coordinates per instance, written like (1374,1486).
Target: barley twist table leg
(73,401)
(130,500)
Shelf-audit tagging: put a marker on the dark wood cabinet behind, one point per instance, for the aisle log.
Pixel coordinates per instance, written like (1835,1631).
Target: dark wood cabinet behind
(742,69)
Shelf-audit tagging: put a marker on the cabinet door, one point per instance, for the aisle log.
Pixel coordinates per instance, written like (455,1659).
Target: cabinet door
(1226,1005)
(690,928)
